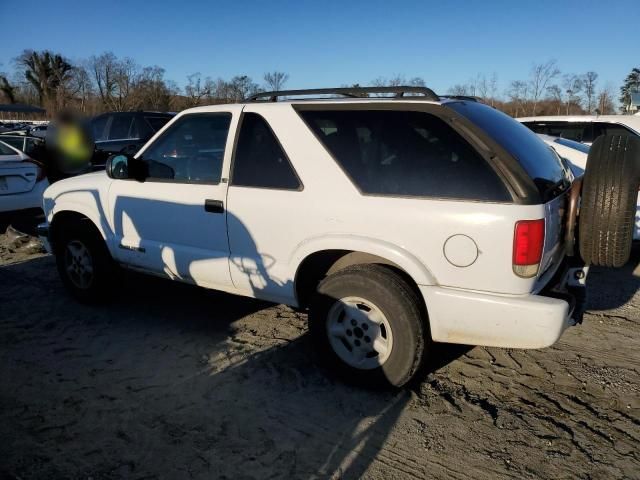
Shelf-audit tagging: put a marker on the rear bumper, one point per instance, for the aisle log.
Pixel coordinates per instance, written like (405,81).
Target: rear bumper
(522,321)
(471,318)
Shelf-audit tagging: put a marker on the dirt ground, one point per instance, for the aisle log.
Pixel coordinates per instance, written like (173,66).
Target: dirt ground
(170,381)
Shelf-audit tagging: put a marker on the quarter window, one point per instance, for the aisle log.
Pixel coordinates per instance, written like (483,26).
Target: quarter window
(259,160)
(405,153)
(191,150)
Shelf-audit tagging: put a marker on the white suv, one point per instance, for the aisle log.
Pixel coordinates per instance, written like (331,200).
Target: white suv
(396,220)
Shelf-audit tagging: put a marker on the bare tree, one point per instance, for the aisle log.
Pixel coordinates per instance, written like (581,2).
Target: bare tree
(82,87)
(241,86)
(459,89)
(197,89)
(606,100)
(275,80)
(589,80)
(555,93)
(7,89)
(541,75)
(104,70)
(518,94)
(573,86)
(493,88)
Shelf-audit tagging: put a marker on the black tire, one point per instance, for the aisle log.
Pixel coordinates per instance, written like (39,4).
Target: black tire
(104,269)
(608,203)
(398,302)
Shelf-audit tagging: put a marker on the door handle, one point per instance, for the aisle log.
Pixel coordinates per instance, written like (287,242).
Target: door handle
(214,206)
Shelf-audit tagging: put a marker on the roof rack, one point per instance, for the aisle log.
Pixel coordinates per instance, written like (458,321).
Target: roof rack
(350,92)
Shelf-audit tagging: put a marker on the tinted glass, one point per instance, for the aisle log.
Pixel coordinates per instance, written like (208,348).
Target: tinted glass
(612,129)
(98,126)
(15,142)
(259,160)
(192,150)
(157,122)
(389,152)
(537,159)
(120,126)
(5,150)
(578,132)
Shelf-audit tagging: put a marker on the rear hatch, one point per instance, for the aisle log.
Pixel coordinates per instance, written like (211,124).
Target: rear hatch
(550,174)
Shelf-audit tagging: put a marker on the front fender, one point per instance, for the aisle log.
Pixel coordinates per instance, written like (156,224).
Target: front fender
(87,202)
(393,253)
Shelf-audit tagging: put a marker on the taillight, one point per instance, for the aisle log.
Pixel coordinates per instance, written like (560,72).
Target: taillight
(528,242)
(40,175)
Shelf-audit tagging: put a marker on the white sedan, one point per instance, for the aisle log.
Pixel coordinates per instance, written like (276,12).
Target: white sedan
(22,180)
(576,153)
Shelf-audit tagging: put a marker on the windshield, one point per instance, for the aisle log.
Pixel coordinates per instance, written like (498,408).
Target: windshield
(542,165)
(581,147)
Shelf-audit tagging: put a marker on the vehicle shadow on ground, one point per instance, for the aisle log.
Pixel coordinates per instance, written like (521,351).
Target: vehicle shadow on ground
(167,379)
(626,279)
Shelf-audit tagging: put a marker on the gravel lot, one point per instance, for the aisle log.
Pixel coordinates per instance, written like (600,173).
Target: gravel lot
(170,381)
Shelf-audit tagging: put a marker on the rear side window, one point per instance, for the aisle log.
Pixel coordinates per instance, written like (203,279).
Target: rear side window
(260,160)
(404,153)
(120,126)
(98,125)
(536,158)
(157,122)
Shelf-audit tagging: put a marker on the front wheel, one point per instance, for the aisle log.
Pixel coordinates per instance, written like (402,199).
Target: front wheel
(367,325)
(84,263)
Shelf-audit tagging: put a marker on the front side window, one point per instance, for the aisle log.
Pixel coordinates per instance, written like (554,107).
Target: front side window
(191,150)
(405,153)
(259,160)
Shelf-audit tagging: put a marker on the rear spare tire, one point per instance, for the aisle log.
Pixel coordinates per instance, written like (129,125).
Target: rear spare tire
(609,197)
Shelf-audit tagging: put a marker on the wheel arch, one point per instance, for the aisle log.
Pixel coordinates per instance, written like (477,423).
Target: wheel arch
(327,256)
(64,217)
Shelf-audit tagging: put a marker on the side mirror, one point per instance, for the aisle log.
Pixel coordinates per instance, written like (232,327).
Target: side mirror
(122,167)
(117,166)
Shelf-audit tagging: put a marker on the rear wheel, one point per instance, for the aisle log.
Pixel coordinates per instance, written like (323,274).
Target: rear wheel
(367,325)
(84,263)
(609,200)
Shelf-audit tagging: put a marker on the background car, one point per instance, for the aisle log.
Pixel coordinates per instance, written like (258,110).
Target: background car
(583,128)
(126,132)
(575,153)
(22,180)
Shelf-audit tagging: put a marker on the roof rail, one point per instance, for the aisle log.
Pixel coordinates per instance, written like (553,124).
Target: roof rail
(350,92)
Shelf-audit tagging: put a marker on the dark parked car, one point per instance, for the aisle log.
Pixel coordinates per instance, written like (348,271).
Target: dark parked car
(115,132)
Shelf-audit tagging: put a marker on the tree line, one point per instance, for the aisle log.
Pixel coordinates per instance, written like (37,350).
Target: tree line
(106,83)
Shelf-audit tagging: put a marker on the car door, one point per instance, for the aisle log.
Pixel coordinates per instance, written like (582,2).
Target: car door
(174,223)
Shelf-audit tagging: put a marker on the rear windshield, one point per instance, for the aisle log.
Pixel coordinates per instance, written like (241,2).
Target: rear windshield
(537,159)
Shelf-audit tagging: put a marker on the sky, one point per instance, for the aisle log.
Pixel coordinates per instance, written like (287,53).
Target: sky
(334,43)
